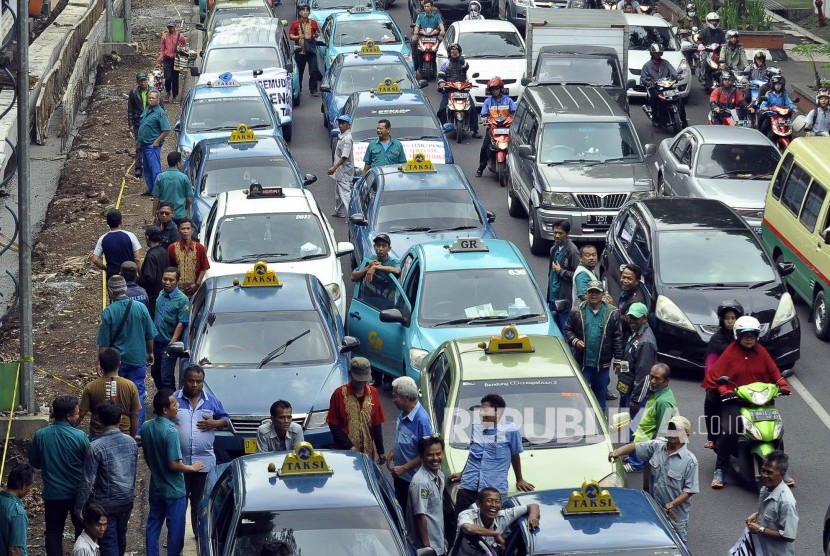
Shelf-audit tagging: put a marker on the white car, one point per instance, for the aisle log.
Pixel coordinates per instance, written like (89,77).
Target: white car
(492,48)
(283,227)
(643,31)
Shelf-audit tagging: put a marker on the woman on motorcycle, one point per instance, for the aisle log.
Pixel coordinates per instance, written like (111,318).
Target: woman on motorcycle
(776,96)
(455,70)
(758,68)
(744,361)
(474,13)
(732,54)
(725,98)
(818,120)
(728,313)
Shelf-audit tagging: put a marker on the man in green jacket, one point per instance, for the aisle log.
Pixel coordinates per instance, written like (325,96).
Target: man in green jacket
(660,407)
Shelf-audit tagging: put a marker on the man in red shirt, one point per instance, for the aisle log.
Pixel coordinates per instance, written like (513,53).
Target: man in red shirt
(171,41)
(356,414)
(304,33)
(190,257)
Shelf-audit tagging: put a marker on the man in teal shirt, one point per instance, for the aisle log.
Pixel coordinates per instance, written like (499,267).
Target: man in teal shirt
(163,454)
(152,130)
(383,150)
(173,186)
(14,521)
(172,317)
(427,19)
(58,450)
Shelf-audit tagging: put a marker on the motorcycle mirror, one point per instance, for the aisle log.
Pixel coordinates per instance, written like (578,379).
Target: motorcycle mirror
(526,81)
(722,380)
(788,373)
(476,74)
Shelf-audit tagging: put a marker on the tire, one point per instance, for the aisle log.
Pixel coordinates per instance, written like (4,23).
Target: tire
(286,133)
(538,245)
(676,124)
(514,205)
(501,173)
(821,319)
(460,127)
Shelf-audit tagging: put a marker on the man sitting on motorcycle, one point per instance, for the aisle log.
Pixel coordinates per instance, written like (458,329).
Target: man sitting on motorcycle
(689,20)
(711,33)
(744,361)
(758,68)
(776,96)
(427,19)
(454,69)
(732,54)
(495,105)
(474,13)
(653,71)
(725,98)
(818,120)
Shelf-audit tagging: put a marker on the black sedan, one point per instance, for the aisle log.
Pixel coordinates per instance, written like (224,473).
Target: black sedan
(696,253)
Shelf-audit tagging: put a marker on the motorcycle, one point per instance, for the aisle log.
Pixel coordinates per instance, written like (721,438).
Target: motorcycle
(751,89)
(728,117)
(781,126)
(708,63)
(499,130)
(428,40)
(670,103)
(459,105)
(763,428)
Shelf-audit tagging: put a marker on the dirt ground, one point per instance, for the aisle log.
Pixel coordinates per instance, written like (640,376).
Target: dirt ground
(67,288)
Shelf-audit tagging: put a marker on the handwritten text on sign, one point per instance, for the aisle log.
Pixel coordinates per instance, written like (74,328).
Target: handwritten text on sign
(276,81)
(433,150)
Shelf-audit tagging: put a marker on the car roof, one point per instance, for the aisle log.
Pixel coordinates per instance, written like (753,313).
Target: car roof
(732,135)
(811,153)
(230,4)
(407,97)
(244,89)
(484,25)
(225,297)
(354,59)
(369,15)
(218,148)
(573,103)
(395,179)
(350,486)
(681,213)
(246,31)
(502,254)
(294,200)
(645,20)
(550,359)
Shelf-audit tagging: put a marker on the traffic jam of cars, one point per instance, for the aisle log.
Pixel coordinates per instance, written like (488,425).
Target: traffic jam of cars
(712,213)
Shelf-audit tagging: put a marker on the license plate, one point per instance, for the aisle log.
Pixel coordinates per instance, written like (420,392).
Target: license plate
(250,445)
(501,131)
(766,415)
(669,94)
(459,96)
(429,40)
(599,219)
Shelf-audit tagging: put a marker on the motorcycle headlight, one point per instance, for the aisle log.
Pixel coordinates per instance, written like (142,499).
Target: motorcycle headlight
(416,358)
(779,428)
(557,199)
(785,312)
(613,480)
(760,397)
(751,429)
(666,310)
(334,291)
(317,420)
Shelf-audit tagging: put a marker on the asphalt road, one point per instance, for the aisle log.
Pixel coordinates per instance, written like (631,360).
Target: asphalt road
(717,516)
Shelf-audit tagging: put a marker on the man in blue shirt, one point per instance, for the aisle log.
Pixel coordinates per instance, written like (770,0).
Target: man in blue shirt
(495,446)
(198,417)
(411,426)
(58,451)
(173,186)
(385,149)
(172,317)
(14,521)
(496,105)
(152,130)
(427,19)
(117,245)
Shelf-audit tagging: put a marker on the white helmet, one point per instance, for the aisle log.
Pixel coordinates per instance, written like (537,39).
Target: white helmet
(746,325)
(713,20)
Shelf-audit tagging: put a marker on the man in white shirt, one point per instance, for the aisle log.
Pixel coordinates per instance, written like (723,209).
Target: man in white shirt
(95,523)
(487,522)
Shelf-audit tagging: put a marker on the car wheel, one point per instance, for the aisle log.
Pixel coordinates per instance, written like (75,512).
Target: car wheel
(820,317)
(514,206)
(538,244)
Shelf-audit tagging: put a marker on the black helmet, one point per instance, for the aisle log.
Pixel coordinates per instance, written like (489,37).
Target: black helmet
(772,72)
(759,54)
(730,305)
(655,48)
(455,46)
(778,79)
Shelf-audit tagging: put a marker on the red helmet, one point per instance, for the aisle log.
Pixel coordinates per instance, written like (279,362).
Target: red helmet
(495,82)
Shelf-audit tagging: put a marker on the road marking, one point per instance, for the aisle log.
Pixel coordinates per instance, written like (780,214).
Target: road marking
(813,403)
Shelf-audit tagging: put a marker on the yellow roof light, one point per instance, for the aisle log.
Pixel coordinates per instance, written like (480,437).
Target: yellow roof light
(304,461)
(419,163)
(510,341)
(259,277)
(242,134)
(388,86)
(369,48)
(591,500)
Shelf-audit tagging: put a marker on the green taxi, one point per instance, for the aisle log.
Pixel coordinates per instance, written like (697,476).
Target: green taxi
(564,433)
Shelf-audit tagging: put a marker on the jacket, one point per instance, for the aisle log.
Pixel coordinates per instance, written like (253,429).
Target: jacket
(723,98)
(109,472)
(777,99)
(566,273)
(454,69)
(711,36)
(743,367)
(754,71)
(651,72)
(641,354)
(611,345)
(733,56)
(135,106)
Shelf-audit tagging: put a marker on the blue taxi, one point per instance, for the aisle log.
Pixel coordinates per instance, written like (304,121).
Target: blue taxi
(415,203)
(345,31)
(414,122)
(263,337)
(361,71)
(322,9)
(468,287)
(218,165)
(314,501)
(594,520)
(218,108)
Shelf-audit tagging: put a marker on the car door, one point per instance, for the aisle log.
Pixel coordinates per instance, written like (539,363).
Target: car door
(325,37)
(362,234)
(675,182)
(616,251)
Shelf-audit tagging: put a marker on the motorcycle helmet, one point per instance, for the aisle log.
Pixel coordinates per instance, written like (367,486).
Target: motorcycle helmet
(475,7)
(727,75)
(691,10)
(822,93)
(732,33)
(747,325)
(777,79)
(772,72)
(455,46)
(759,55)
(495,82)
(655,48)
(729,305)
(712,20)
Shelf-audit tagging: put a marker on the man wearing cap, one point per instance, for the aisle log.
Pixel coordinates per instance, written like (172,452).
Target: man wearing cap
(152,130)
(129,271)
(385,149)
(136,103)
(594,331)
(674,471)
(343,168)
(171,41)
(356,414)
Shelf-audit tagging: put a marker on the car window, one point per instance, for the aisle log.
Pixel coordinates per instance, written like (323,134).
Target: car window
(406,264)
(362,77)
(221,509)
(600,71)
(641,37)
(639,250)
(193,164)
(270,237)
(436,371)
(682,149)
(330,315)
(231,174)
(441,395)
(226,113)
(367,193)
(450,36)
(429,210)
(577,142)
(627,231)
(326,32)
(492,44)
(812,205)
(412,282)
(382,293)
(736,161)
(210,223)
(521,110)
(794,189)
(241,59)
(355,32)
(781,176)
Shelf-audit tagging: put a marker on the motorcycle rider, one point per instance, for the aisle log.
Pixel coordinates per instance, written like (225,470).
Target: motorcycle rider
(732,53)
(758,68)
(776,96)
(623,4)
(728,312)
(711,33)
(653,71)
(455,69)
(725,98)
(495,105)
(818,120)
(689,20)
(427,19)
(744,361)
(474,13)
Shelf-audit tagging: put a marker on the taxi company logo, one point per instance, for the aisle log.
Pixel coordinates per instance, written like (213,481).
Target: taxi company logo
(227,76)
(304,461)
(591,500)
(375,341)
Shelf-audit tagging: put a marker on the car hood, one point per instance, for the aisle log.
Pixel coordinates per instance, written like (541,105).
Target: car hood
(599,178)
(509,68)
(700,305)
(431,338)
(736,193)
(403,241)
(327,269)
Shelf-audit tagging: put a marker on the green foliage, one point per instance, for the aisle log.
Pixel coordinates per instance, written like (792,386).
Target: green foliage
(754,17)
(811,50)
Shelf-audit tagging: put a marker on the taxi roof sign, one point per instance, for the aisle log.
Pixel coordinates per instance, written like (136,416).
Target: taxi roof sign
(225,80)
(467,245)
(360,10)
(510,341)
(418,164)
(259,276)
(591,500)
(388,86)
(304,461)
(369,48)
(242,134)
(256,191)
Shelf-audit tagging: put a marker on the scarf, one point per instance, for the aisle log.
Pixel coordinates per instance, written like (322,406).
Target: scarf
(360,421)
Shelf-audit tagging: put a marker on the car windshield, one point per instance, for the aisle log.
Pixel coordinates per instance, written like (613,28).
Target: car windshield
(597,71)
(226,113)
(223,17)
(415,121)
(219,60)
(431,209)
(577,143)
(350,33)
(708,257)
(470,297)
(550,412)
(340,531)
(273,237)
(246,338)
(230,174)
(736,161)
(492,44)
(337,4)
(354,79)
(640,38)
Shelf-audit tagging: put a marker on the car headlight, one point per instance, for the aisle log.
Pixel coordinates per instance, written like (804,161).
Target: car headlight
(557,199)
(334,291)
(641,195)
(666,310)
(185,152)
(751,429)
(612,480)
(317,420)
(785,312)
(416,357)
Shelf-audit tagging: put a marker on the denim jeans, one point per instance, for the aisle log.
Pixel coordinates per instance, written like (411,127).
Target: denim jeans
(55,512)
(137,374)
(151,161)
(598,380)
(114,541)
(173,511)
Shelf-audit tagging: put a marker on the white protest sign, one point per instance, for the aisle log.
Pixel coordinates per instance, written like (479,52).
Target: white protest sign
(433,150)
(276,81)
(746,546)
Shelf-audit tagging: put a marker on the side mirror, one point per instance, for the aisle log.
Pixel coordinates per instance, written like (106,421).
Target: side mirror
(201,54)
(526,81)
(722,380)
(348,344)
(827,236)
(683,169)
(649,149)
(321,42)
(630,84)
(344,248)
(176,349)
(423,84)
(393,315)
(325,88)
(177,127)
(560,304)
(358,219)
(195,72)
(200,27)
(334,133)
(785,268)
(308,179)
(448,128)
(526,152)
(491,216)
(289,67)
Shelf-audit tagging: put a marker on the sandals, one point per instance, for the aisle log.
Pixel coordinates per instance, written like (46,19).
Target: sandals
(710,445)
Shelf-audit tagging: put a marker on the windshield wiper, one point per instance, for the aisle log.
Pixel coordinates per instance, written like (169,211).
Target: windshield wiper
(218,128)
(760,284)
(454,229)
(421,138)
(281,349)
(708,286)
(253,257)
(411,229)
(619,159)
(761,177)
(259,126)
(312,256)
(490,318)
(576,161)
(731,173)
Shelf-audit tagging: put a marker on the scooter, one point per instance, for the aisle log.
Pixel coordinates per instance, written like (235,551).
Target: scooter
(459,105)
(670,105)
(499,130)
(751,89)
(728,117)
(781,126)
(763,428)
(428,40)
(708,62)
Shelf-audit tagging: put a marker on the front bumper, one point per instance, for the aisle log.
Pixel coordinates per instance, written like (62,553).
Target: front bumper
(581,230)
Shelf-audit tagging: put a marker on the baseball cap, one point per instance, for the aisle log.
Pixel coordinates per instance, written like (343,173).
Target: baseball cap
(360,369)
(129,265)
(172,22)
(681,422)
(595,285)
(638,310)
(140,76)
(117,285)
(382,238)
(344,118)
